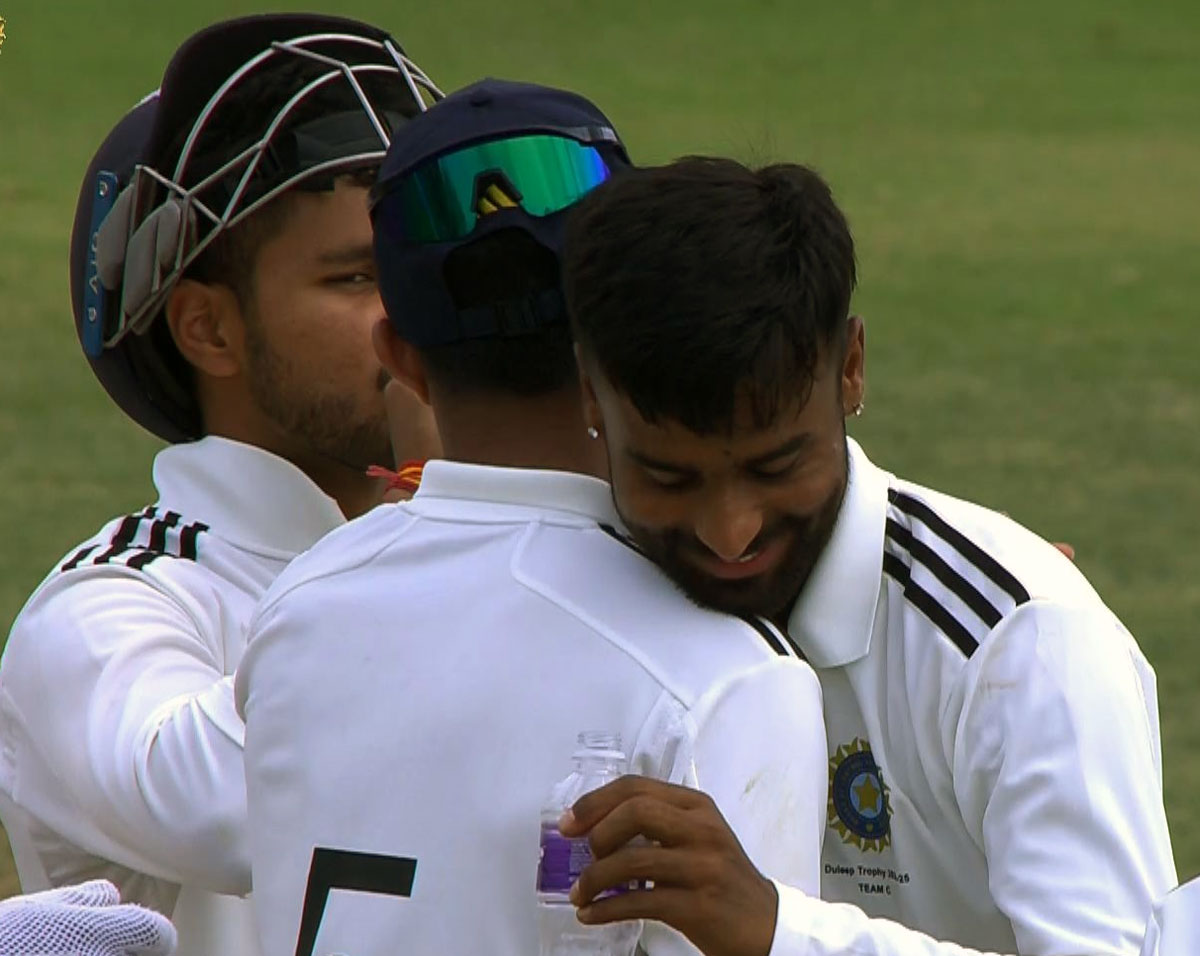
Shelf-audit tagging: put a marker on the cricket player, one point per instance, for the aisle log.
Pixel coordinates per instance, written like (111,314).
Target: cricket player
(1174,927)
(994,767)
(84,920)
(414,683)
(224,295)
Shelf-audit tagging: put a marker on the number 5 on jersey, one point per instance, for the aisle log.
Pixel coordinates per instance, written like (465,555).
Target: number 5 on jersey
(348,870)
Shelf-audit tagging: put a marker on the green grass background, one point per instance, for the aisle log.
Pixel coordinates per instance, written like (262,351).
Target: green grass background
(1022,178)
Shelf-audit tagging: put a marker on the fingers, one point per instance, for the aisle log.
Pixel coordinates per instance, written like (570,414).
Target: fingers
(83,919)
(154,933)
(664,904)
(593,807)
(91,893)
(704,885)
(724,914)
(642,817)
(630,866)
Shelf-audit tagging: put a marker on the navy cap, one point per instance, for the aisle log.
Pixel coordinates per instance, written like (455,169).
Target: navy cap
(412,275)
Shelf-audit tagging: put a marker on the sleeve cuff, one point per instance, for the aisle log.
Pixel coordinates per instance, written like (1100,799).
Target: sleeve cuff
(215,704)
(793,923)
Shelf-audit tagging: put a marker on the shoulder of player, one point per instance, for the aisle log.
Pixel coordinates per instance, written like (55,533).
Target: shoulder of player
(152,571)
(1002,598)
(341,551)
(969,569)
(95,605)
(151,538)
(154,550)
(586,573)
(597,576)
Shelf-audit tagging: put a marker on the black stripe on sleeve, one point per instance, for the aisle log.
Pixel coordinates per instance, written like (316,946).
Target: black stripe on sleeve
(124,536)
(78,556)
(764,626)
(954,582)
(779,640)
(158,531)
(624,539)
(961,543)
(123,546)
(792,644)
(925,602)
(157,546)
(768,634)
(142,557)
(187,539)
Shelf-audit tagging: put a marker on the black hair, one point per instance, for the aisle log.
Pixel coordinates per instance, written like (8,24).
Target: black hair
(701,284)
(506,266)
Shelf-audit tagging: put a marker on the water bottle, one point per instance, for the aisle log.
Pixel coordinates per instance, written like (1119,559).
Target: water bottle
(598,760)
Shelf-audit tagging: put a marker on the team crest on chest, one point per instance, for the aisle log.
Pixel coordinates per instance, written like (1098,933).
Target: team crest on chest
(859,804)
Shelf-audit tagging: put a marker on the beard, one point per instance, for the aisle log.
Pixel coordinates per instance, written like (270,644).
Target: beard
(770,594)
(327,424)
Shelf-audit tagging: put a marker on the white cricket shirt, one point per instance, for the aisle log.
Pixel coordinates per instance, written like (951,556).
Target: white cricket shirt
(414,686)
(120,749)
(994,760)
(1174,926)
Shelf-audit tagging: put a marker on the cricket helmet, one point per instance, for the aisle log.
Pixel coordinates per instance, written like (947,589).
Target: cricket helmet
(248,109)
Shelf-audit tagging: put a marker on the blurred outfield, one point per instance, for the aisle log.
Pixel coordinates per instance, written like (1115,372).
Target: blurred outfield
(1022,179)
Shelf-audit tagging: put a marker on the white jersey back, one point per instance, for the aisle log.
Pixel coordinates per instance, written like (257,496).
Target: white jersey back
(415,684)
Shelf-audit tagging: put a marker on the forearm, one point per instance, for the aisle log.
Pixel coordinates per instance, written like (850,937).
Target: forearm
(120,729)
(190,785)
(810,927)
(165,797)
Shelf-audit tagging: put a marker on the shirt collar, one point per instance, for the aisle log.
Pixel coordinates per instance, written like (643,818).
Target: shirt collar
(247,496)
(457,483)
(834,615)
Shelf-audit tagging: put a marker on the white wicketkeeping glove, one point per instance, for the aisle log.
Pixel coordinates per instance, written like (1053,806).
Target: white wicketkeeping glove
(84,920)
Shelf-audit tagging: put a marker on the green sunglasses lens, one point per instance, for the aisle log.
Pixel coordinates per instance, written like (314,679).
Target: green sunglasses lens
(443,199)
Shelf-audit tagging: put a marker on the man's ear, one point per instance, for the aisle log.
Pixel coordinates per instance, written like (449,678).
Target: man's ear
(854,386)
(207,325)
(400,358)
(592,416)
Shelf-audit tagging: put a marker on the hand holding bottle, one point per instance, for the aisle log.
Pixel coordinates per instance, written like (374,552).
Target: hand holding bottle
(704,884)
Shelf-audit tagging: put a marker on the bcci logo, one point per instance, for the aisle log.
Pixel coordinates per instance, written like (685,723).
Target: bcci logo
(859,804)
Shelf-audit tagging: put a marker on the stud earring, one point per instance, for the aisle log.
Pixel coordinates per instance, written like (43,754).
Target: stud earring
(593,432)
(857,409)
